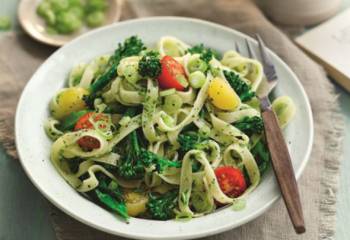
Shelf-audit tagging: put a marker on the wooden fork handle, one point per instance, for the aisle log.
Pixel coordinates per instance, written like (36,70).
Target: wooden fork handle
(283,169)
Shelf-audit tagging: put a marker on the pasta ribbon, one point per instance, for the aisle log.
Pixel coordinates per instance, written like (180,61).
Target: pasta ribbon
(285,110)
(249,69)
(172,46)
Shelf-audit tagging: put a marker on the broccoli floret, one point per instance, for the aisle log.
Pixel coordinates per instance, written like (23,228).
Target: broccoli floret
(206,53)
(149,158)
(250,125)
(131,46)
(241,88)
(190,140)
(131,167)
(149,65)
(136,159)
(109,195)
(262,156)
(162,207)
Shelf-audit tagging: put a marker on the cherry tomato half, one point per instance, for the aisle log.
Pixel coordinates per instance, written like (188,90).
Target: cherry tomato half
(231,181)
(88,143)
(172,75)
(84,121)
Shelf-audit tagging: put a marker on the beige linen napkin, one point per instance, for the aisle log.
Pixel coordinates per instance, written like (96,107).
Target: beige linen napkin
(20,56)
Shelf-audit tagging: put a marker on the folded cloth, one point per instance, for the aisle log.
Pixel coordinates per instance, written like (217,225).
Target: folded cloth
(20,56)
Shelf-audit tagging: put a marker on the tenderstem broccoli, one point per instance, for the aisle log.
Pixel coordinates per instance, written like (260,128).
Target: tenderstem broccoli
(241,88)
(131,46)
(206,54)
(250,125)
(149,158)
(162,207)
(109,195)
(137,159)
(131,167)
(190,140)
(149,65)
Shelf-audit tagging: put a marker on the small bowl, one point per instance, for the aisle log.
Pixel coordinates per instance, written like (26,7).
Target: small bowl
(35,26)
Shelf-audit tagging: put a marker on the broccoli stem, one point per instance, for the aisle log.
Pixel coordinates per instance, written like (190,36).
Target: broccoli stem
(149,158)
(132,46)
(104,79)
(131,167)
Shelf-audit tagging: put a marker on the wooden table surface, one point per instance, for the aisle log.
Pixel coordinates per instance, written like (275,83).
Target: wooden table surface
(23,210)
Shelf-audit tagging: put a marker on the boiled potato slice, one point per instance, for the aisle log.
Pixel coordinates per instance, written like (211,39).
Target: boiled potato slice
(67,101)
(135,203)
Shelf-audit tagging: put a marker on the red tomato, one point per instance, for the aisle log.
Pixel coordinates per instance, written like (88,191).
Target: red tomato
(172,74)
(88,143)
(84,122)
(231,181)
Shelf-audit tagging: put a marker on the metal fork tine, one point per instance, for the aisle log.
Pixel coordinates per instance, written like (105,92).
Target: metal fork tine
(251,52)
(266,61)
(264,56)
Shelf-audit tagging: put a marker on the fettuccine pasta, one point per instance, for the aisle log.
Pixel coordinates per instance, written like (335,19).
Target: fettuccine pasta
(167,133)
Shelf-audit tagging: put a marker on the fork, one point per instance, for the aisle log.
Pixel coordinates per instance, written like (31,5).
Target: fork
(281,160)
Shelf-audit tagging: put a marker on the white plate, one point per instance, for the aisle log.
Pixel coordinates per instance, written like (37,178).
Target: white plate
(34,146)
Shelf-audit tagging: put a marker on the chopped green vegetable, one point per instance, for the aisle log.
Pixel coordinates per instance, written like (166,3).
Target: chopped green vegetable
(197,64)
(162,207)
(197,79)
(149,65)
(95,19)
(262,156)
(241,88)
(250,125)
(5,23)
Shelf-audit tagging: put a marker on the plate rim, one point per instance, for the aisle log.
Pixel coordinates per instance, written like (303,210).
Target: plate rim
(181,235)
